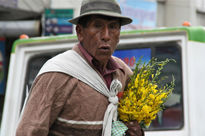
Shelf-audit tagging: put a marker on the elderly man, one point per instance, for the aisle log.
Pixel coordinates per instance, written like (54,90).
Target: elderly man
(75,92)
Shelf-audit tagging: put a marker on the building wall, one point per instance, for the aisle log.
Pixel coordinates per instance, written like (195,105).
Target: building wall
(161,13)
(201,12)
(200,18)
(69,4)
(175,12)
(169,12)
(34,5)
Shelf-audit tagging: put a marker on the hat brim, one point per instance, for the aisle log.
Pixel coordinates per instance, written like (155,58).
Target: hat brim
(124,20)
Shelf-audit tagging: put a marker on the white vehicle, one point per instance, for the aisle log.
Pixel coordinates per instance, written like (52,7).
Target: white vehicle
(185,111)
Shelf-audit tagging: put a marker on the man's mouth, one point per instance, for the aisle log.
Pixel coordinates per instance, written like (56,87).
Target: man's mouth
(105,47)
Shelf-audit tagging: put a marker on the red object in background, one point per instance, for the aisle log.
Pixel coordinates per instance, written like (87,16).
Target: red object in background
(2,39)
(132,61)
(126,60)
(186,23)
(24,36)
(129,61)
(120,94)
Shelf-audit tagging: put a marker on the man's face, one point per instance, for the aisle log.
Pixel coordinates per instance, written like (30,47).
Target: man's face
(100,37)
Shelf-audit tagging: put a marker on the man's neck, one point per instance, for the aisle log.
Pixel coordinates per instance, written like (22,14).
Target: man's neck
(101,66)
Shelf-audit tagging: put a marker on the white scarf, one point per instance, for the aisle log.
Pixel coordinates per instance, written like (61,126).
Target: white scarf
(71,63)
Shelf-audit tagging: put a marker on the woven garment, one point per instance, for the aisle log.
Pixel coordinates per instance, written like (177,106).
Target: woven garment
(118,128)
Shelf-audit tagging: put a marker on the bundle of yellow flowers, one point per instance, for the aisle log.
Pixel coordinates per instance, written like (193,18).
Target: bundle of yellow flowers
(145,94)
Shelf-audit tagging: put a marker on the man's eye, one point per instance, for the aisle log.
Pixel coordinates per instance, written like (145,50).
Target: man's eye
(98,25)
(114,26)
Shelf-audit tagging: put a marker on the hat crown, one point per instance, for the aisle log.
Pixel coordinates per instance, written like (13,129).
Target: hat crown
(99,5)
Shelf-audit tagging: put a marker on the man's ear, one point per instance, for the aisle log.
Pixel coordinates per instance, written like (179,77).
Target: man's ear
(79,30)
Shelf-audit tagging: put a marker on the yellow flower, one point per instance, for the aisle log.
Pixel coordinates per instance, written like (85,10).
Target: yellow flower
(143,98)
(152,75)
(151,96)
(146,109)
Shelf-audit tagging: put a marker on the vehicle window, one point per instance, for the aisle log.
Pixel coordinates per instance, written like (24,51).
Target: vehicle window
(172,116)
(33,67)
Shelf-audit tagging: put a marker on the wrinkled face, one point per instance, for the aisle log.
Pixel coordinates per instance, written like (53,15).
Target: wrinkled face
(100,37)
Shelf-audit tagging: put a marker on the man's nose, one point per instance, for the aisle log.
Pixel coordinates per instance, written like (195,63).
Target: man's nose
(105,34)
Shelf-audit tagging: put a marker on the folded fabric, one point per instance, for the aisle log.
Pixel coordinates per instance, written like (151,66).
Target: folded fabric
(118,128)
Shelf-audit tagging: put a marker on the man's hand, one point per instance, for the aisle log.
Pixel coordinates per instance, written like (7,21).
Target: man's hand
(134,129)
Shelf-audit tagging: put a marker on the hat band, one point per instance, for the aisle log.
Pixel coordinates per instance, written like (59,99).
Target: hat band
(100,5)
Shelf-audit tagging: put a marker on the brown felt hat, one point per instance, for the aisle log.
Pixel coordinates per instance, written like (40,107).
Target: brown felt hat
(101,7)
